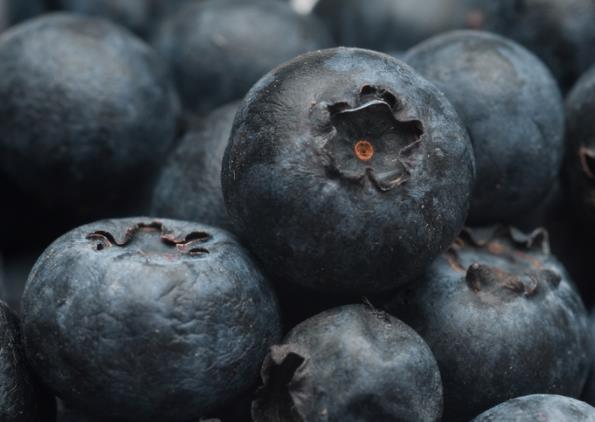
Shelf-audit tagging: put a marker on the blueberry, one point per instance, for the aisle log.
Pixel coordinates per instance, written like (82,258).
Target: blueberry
(513,110)
(347,171)
(140,320)
(349,364)
(22,398)
(15,11)
(539,407)
(217,49)
(189,187)
(87,113)
(503,320)
(141,16)
(579,166)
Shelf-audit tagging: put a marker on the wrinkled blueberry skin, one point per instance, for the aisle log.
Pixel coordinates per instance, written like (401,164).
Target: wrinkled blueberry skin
(141,16)
(513,110)
(189,187)
(322,213)
(539,407)
(22,399)
(579,164)
(86,109)
(503,320)
(217,50)
(351,363)
(15,11)
(140,320)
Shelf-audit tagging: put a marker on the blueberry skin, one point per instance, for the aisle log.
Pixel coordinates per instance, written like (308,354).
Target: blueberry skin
(141,16)
(87,109)
(503,320)
(539,407)
(347,171)
(217,50)
(189,187)
(579,163)
(138,319)
(15,11)
(513,110)
(352,363)
(22,398)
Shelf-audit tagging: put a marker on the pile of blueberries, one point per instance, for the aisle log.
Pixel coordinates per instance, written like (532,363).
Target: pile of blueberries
(380,210)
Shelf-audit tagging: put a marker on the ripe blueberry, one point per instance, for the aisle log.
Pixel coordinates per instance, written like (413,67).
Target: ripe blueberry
(513,110)
(217,49)
(502,319)
(350,364)
(347,171)
(86,114)
(138,319)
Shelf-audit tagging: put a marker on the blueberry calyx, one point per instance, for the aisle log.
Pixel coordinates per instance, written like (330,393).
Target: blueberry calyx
(185,243)
(506,243)
(369,142)
(283,373)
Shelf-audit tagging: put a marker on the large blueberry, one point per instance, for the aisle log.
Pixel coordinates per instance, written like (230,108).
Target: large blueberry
(22,398)
(217,49)
(346,170)
(141,16)
(350,364)
(142,320)
(579,165)
(513,110)
(539,407)
(87,113)
(189,187)
(503,320)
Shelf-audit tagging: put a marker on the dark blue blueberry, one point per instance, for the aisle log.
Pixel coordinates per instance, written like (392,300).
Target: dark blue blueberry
(347,171)
(22,398)
(144,320)
(86,116)
(539,407)
(350,364)
(217,49)
(579,165)
(513,110)
(189,187)
(503,320)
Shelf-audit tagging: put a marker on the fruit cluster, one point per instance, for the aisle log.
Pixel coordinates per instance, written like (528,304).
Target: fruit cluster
(377,211)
